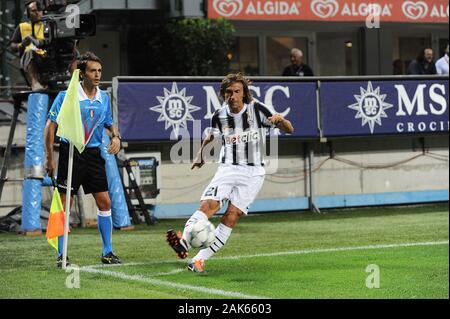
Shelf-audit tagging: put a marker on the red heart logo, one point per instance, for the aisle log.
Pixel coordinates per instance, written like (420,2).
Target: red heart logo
(415,10)
(325,8)
(228,8)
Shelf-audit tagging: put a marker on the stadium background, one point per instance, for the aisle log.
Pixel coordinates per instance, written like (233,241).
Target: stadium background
(369,168)
(296,254)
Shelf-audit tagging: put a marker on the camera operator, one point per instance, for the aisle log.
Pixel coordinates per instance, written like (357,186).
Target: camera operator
(29,40)
(24,40)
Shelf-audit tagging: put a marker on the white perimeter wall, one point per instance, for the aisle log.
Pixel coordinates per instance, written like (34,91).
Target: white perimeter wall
(333,176)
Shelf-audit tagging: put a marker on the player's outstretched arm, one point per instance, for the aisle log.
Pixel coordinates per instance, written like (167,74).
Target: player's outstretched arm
(198,161)
(280,122)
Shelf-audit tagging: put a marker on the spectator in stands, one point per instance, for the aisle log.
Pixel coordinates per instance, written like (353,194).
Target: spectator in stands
(442,64)
(424,64)
(397,67)
(297,68)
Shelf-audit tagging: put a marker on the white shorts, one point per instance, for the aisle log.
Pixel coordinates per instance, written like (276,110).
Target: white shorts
(238,184)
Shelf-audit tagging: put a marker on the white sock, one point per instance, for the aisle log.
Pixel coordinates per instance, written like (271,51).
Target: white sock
(222,234)
(198,215)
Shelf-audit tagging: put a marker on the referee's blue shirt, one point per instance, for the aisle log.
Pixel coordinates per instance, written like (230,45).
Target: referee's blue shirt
(95,114)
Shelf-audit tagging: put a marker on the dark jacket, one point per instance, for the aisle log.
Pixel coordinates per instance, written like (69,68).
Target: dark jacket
(421,68)
(302,70)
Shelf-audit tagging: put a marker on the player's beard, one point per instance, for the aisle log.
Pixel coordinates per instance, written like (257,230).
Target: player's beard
(234,106)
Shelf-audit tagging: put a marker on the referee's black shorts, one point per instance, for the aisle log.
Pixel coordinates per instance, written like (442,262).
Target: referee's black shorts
(88,170)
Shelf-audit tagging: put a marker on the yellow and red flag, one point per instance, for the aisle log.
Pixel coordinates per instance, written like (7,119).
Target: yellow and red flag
(69,121)
(55,227)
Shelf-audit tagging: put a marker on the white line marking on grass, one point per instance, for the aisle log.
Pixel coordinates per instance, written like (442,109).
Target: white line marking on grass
(213,291)
(168,273)
(157,282)
(111,266)
(325,250)
(156,262)
(284,253)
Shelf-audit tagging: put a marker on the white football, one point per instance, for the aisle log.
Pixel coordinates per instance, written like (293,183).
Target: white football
(202,234)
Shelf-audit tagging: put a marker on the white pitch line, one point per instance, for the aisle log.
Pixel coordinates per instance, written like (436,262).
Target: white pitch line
(157,282)
(213,291)
(156,262)
(326,250)
(285,253)
(168,273)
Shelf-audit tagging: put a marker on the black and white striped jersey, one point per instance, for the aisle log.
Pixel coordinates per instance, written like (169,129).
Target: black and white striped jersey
(243,134)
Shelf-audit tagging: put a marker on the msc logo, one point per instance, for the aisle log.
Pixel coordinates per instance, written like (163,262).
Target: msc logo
(370,106)
(175,108)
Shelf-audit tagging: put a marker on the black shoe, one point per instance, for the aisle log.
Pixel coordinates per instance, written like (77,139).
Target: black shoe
(177,243)
(110,259)
(59,262)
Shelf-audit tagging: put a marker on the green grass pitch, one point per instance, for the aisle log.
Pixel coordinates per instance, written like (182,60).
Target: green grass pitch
(281,255)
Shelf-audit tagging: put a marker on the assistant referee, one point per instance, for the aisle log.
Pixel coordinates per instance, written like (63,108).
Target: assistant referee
(89,166)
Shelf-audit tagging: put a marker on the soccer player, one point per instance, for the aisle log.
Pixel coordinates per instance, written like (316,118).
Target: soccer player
(89,166)
(241,125)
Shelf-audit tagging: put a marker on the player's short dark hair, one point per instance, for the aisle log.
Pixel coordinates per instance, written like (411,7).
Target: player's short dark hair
(233,78)
(85,58)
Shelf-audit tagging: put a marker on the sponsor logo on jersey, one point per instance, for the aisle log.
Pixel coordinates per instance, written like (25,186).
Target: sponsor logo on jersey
(242,138)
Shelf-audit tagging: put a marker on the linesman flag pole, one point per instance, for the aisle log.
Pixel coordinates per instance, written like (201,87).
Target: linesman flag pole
(70,128)
(68,196)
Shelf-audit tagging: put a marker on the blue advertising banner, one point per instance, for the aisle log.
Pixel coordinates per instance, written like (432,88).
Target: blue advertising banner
(163,110)
(384,107)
